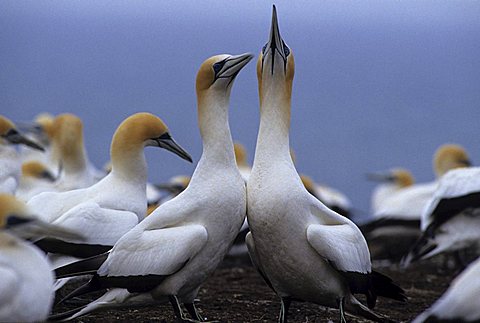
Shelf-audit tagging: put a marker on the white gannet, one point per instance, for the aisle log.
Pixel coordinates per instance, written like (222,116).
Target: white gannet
(409,202)
(304,250)
(460,302)
(36,178)
(390,183)
(173,251)
(41,132)
(10,163)
(108,209)
(451,220)
(396,224)
(69,151)
(26,284)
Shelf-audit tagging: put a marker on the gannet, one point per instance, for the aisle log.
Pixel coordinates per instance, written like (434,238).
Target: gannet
(41,132)
(396,225)
(451,219)
(173,251)
(36,178)
(10,163)
(379,232)
(108,209)
(390,182)
(26,284)
(460,302)
(304,250)
(410,202)
(70,154)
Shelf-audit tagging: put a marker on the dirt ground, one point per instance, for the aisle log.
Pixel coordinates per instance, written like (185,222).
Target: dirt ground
(236,293)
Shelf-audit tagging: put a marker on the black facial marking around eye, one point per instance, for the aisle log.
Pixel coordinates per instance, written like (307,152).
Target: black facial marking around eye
(264,48)
(286,50)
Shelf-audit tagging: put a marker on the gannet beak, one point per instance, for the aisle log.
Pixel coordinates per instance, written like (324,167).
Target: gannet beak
(165,141)
(48,176)
(31,228)
(169,187)
(380,177)
(232,66)
(14,137)
(275,45)
(466,162)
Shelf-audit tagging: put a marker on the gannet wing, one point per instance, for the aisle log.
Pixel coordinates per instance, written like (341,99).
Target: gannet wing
(97,224)
(342,245)
(154,252)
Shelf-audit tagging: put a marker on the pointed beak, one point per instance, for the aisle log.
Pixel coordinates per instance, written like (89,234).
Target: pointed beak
(167,142)
(380,177)
(170,188)
(32,228)
(275,43)
(14,137)
(233,65)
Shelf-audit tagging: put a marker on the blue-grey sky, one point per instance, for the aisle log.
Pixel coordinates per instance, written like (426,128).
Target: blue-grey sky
(378,84)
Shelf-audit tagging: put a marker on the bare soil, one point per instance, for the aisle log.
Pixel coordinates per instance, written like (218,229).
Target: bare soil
(236,293)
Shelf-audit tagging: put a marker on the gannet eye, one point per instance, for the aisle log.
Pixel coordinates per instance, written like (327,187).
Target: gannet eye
(286,50)
(218,66)
(264,48)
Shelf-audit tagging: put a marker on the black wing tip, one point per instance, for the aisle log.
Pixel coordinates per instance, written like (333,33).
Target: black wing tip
(385,287)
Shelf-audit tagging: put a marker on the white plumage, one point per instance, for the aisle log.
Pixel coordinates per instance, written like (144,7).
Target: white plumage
(460,302)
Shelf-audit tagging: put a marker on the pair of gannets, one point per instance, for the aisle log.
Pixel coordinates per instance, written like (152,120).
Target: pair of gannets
(399,205)
(10,163)
(304,250)
(451,219)
(106,210)
(172,252)
(26,279)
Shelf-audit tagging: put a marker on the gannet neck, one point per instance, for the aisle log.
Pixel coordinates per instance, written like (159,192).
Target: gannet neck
(273,136)
(214,127)
(128,158)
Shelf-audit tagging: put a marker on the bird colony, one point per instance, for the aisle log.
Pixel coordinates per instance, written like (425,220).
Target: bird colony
(65,223)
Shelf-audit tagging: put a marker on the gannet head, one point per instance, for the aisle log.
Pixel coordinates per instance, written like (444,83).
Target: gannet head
(400,176)
(37,170)
(218,72)
(240,154)
(17,219)
(141,130)
(450,156)
(45,123)
(275,64)
(9,132)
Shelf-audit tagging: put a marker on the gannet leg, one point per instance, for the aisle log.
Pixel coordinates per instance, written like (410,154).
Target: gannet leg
(192,310)
(285,305)
(341,303)
(178,310)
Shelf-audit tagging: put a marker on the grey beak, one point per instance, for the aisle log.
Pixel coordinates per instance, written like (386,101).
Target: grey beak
(275,43)
(14,137)
(380,177)
(167,142)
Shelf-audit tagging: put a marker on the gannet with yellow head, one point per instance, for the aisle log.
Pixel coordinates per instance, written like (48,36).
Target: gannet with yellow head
(172,252)
(108,209)
(69,154)
(304,250)
(390,182)
(26,285)
(41,132)
(10,162)
(36,178)
(409,203)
